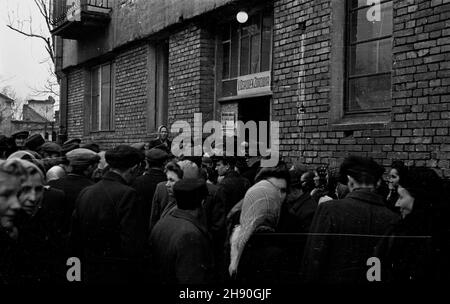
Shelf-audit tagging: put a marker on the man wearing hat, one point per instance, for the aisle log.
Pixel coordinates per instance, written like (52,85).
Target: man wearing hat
(19,138)
(34,142)
(82,163)
(108,227)
(346,231)
(51,154)
(180,243)
(145,184)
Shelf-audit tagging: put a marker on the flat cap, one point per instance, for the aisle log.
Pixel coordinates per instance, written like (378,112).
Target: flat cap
(21,134)
(156,154)
(50,147)
(69,147)
(91,146)
(123,157)
(72,141)
(34,142)
(189,192)
(139,146)
(82,156)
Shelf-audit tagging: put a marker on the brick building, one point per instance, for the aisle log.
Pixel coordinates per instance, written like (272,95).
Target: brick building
(341,76)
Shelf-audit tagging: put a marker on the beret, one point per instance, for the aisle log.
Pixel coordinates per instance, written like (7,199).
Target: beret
(156,154)
(82,156)
(34,142)
(123,157)
(50,147)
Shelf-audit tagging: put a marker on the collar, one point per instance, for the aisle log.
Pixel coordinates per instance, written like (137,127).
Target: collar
(113,176)
(186,215)
(366,195)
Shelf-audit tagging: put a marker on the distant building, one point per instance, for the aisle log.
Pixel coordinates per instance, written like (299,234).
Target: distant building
(6,114)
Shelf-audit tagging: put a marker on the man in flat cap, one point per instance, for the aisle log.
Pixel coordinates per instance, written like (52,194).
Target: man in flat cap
(51,154)
(180,244)
(34,142)
(108,227)
(145,184)
(82,163)
(345,232)
(19,138)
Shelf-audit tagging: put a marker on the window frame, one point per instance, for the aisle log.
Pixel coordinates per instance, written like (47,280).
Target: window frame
(347,53)
(111,124)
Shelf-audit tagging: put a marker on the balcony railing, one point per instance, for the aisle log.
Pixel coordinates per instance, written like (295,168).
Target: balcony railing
(70,18)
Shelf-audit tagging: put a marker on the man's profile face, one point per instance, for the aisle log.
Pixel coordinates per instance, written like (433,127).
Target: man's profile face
(221,168)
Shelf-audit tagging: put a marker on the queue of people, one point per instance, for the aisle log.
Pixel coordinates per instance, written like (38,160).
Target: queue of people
(139,214)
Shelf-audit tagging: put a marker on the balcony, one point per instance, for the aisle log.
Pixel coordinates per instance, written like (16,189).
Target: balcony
(80,19)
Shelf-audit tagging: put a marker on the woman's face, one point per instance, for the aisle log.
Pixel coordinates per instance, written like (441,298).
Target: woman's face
(9,203)
(31,193)
(316,179)
(163,133)
(281,185)
(172,178)
(405,201)
(393,179)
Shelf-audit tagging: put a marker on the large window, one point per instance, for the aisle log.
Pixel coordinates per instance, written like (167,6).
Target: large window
(102,98)
(369,56)
(246,49)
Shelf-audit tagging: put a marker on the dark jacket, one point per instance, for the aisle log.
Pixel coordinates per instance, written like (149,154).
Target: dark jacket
(297,215)
(8,259)
(41,243)
(232,189)
(108,228)
(162,204)
(347,232)
(145,186)
(181,250)
(71,185)
(407,251)
(163,145)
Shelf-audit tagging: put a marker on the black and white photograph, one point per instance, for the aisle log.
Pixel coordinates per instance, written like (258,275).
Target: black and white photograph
(225,148)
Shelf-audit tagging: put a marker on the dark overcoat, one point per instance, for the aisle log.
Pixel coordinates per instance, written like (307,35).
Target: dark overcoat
(145,186)
(344,235)
(181,250)
(108,229)
(71,185)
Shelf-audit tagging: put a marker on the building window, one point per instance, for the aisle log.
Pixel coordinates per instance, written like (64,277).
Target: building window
(368,57)
(102,98)
(245,49)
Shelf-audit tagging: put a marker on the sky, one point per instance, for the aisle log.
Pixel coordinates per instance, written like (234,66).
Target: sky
(22,59)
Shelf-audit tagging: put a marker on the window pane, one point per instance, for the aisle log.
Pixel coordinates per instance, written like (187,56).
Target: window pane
(245,48)
(371,57)
(369,93)
(357,3)
(95,98)
(234,51)
(226,60)
(105,98)
(254,67)
(362,29)
(266,43)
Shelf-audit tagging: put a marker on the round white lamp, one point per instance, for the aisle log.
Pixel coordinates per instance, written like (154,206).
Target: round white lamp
(242,17)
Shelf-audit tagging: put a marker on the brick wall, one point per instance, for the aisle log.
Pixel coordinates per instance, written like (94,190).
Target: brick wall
(191,74)
(130,101)
(75,103)
(418,128)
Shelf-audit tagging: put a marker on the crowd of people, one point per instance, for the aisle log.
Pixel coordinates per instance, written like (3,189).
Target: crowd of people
(136,213)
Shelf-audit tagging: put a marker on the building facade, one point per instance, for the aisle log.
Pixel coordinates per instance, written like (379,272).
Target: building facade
(340,76)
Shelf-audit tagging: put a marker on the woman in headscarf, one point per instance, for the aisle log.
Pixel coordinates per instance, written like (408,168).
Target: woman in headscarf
(252,258)
(12,174)
(408,252)
(162,141)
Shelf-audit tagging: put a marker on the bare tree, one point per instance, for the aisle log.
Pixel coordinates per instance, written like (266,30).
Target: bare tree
(25,27)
